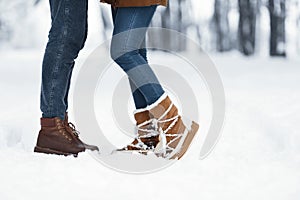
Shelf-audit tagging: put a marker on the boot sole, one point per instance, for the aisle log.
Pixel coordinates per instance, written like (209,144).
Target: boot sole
(38,149)
(188,140)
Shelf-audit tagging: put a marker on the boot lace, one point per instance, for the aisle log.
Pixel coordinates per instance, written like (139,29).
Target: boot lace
(154,128)
(73,128)
(63,129)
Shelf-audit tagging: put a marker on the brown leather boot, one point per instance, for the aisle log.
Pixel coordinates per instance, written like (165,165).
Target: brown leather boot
(57,138)
(162,131)
(76,133)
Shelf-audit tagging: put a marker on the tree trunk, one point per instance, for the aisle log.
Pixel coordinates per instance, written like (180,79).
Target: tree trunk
(221,24)
(298,33)
(277,22)
(173,17)
(247,25)
(166,23)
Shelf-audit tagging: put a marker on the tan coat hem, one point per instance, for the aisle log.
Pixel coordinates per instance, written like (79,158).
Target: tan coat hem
(136,3)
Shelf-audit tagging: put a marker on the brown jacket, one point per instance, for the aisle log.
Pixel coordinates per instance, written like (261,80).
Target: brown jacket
(135,3)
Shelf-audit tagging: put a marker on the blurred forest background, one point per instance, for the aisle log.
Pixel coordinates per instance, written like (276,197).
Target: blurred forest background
(263,27)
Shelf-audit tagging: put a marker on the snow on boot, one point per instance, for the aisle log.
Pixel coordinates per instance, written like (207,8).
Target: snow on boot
(160,130)
(147,137)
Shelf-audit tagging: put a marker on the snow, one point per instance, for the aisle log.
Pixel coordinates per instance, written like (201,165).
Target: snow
(257,157)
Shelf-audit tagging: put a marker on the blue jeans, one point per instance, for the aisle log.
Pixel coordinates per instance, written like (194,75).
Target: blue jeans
(129,52)
(66,38)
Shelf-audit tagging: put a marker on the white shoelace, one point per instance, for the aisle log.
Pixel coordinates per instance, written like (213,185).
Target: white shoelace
(162,147)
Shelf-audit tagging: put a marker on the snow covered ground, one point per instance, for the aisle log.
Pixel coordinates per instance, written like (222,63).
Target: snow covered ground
(258,156)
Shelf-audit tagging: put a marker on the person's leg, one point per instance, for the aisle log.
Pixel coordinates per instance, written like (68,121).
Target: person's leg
(66,38)
(70,75)
(127,49)
(138,97)
(160,128)
(143,50)
(137,94)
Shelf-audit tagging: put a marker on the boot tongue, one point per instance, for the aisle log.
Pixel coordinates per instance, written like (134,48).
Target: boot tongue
(66,117)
